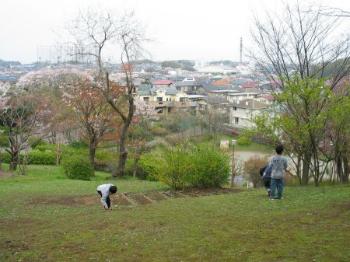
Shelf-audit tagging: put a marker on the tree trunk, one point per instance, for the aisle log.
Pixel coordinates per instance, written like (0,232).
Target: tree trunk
(58,154)
(123,153)
(306,168)
(345,176)
(14,160)
(298,169)
(339,167)
(92,151)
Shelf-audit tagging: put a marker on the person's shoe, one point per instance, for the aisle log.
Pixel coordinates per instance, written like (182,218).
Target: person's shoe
(272,198)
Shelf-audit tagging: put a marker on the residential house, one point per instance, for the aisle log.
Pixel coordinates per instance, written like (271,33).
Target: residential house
(188,87)
(249,84)
(162,83)
(168,100)
(237,96)
(242,112)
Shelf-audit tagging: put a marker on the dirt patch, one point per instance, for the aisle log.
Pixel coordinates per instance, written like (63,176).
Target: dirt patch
(195,192)
(129,199)
(120,200)
(173,194)
(65,200)
(156,196)
(139,198)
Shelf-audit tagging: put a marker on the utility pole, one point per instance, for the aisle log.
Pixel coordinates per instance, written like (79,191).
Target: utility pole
(233,172)
(241,50)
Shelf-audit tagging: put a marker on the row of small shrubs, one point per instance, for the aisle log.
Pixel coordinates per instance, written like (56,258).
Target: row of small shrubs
(74,158)
(181,166)
(34,157)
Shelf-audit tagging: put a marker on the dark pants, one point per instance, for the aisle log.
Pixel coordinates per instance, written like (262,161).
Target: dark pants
(108,200)
(276,184)
(267,184)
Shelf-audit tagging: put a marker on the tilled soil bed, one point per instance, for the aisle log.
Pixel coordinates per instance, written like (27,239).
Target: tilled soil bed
(131,198)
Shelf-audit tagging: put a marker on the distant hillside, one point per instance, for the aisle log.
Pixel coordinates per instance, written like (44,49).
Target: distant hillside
(224,62)
(4,63)
(179,64)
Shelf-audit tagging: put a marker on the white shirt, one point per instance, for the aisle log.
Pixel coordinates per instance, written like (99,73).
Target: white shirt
(104,189)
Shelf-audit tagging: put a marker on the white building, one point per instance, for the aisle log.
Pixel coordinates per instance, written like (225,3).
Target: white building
(167,100)
(243,112)
(235,97)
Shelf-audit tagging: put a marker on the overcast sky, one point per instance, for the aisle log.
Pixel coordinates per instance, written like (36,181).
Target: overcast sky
(180,29)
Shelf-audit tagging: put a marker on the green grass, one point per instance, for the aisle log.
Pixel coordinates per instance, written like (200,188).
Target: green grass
(254,147)
(310,224)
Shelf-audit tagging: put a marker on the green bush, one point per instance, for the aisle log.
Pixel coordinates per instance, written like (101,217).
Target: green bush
(37,157)
(171,168)
(68,151)
(78,144)
(45,154)
(208,167)
(4,141)
(5,157)
(77,167)
(46,147)
(182,166)
(244,140)
(148,166)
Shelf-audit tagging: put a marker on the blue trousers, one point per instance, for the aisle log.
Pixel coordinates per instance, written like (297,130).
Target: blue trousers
(276,184)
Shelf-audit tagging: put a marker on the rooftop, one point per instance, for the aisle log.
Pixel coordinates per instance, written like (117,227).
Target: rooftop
(250,104)
(162,82)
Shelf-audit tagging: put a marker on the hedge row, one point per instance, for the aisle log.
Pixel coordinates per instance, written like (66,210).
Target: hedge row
(35,157)
(198,166)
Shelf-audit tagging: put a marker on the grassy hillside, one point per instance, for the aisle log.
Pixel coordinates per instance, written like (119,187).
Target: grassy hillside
(39,221)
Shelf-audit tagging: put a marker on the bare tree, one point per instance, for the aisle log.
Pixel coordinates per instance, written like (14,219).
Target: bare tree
(332,11)
(99,30)
(92,31)
(294,48)
(91,111)
(301,41)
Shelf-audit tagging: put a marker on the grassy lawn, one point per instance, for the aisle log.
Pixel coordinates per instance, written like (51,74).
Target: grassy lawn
(253,147)
(310,224)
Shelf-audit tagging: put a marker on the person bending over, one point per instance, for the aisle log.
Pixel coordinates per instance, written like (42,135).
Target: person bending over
(105,191)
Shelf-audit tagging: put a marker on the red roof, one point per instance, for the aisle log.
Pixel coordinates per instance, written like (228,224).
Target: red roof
(163,82)
(221,82)
(249,84)
(268,97)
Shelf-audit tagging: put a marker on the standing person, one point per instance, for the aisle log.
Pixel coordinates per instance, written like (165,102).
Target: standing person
(105,191)
(279,166)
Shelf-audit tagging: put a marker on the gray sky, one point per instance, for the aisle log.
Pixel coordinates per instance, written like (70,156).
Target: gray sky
(180,29)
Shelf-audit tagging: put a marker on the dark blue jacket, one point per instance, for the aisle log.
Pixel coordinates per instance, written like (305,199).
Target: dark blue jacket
(265,172)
